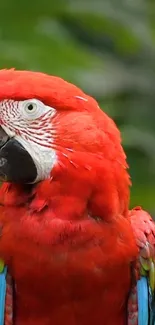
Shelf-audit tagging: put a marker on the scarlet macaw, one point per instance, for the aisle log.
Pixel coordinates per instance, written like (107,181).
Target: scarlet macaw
(72,247)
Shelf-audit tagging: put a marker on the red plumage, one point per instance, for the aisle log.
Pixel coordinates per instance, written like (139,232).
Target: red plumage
(68,240)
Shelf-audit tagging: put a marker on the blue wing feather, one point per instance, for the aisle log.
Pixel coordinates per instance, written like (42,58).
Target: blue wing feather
(2,294)
(146,303)
(143,301)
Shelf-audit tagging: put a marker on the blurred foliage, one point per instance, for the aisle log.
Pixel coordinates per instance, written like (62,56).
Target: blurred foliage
(107,47)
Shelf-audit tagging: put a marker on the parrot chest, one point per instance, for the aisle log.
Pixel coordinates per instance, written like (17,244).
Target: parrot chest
(77,272)
(80,295)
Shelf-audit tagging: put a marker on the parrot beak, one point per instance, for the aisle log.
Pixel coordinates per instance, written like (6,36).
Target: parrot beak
(16,164)
(3,137)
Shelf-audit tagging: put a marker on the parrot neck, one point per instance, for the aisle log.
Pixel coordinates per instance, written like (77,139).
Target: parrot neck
(75,190)
(77,201)
(47,195)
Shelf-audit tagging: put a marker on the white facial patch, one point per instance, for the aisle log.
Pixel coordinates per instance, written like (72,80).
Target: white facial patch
(30,123)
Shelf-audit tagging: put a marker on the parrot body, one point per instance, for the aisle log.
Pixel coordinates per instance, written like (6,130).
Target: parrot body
(67,271)
(67,237)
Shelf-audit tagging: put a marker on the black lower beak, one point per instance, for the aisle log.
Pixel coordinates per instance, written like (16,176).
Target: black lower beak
(16,164)
(3,137)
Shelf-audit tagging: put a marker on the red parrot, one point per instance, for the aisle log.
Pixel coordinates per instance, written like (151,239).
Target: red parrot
(72,247)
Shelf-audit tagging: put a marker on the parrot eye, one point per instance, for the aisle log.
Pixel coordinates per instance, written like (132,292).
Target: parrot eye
(33,109)
(30,107)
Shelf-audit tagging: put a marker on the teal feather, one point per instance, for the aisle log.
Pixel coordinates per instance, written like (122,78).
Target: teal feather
(2,294)
(143,301)
(146,303)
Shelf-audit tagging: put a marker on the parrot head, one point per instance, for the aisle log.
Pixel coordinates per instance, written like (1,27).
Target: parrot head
(51,130)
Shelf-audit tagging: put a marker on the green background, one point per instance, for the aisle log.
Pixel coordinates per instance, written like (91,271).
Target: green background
(107,48)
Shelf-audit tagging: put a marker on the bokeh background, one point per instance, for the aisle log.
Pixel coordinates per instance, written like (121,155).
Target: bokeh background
(107,47)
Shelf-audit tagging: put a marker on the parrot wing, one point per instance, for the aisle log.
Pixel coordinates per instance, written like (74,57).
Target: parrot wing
(141,304)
